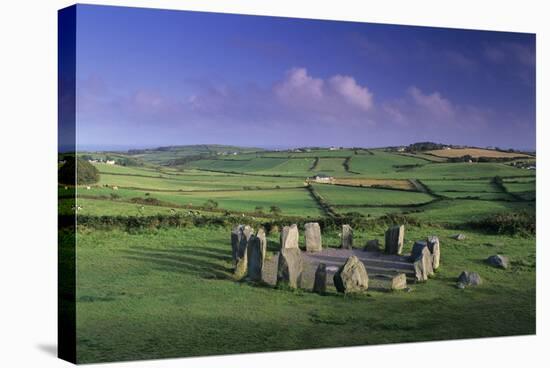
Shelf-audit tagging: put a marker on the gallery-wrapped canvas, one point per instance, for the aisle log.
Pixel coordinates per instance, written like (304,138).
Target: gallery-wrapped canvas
(233,184)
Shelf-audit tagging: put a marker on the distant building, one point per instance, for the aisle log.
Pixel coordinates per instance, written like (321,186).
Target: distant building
(401,149)
(110,162)
(334,148)
(322,178)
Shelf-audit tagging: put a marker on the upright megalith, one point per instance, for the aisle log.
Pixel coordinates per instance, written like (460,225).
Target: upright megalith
(290,268)
(289,237)
(240,236)
(433,246)
(422,261)
(256,255)
(312,236)
(263,242)
(352,277)
(320,283)
(417,249)
(394,239)
(239,239)
(347,237)
(269,270)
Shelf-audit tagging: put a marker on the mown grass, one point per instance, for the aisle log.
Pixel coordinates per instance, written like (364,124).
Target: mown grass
(296,202)
(460,211)
(345,195)
(169,293)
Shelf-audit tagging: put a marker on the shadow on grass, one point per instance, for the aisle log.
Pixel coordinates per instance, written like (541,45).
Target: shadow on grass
(185,261)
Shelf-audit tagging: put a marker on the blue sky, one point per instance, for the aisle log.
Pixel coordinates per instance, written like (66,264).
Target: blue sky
(157,77)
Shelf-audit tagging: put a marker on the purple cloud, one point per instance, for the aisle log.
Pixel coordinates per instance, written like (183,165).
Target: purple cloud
(434,103)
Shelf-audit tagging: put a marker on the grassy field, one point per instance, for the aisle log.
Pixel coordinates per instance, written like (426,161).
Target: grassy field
(165,292)
(155,295)
(345,195)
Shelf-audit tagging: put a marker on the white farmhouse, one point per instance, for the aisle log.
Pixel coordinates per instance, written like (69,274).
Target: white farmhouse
(322,178)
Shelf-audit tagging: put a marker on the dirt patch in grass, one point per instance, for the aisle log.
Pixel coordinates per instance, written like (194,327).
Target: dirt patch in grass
(474,152)
(391,183)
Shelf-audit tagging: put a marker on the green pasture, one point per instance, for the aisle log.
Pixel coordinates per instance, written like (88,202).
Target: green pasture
(382,164)
(440,186)
(525,190)
(169,293)
(344,195)
(194,181)
(462,210)
(295,202)
(461,171)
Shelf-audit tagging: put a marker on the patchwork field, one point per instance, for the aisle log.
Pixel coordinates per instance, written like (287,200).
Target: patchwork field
(153,278)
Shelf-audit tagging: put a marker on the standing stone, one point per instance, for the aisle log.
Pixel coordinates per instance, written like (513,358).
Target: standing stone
(423,263)
(263,242)
(352,277)
(320,284)
(347,237)
(312,236)
(396,281)
(467,278)
(372,246)
(236,235)
(433,246)
(255,258)
(269,270)
(240,269)
(417,249)
(394,239)
(289,237)
(290,267)
(498,261)
(239,240)
(399,282)
(240,236)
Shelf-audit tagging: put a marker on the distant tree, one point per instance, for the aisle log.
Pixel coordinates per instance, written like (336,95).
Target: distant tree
(259,209)
(211,204)
(276,210)
(86,173)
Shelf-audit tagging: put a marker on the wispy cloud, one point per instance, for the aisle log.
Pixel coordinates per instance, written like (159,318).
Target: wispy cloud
(505,52)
